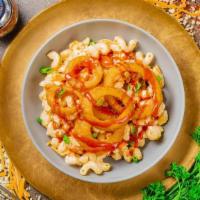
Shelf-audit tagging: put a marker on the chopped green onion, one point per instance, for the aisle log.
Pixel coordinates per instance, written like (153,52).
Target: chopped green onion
(129,87)
(135,160)
(39,120)
(100,102)
(159,78)
(92,42)
(94,135)
(62,91)
(137,87)
(45,70)
(66,139)
(133,129)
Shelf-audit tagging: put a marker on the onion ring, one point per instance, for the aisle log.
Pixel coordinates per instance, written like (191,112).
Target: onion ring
(109,124)
(149,76)
(76,65)
(56,103)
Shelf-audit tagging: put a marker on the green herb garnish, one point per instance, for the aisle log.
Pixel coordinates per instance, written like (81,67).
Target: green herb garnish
(92,42)
(66,139)
(159,78)
(187,184)
(137,86)
(100,102)
(135,160)
(129,87)
(177,171)
(196,135)
(39,120)
(133,129)
(94,135)
(154,191)
(61,92)
(179,190)
(45,70)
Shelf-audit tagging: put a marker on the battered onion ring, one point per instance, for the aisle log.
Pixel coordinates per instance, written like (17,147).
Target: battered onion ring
(103,116)
(83,128)
(109,124)
(149,76)
(110,77)
(116,136)
(56,102)
(82,132)
(114,104)
(144,111)
(76,65)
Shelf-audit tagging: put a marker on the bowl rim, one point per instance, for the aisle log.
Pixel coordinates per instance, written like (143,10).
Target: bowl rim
(178,126)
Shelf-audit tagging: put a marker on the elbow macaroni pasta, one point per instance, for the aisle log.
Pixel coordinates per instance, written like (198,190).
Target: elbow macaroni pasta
(102,99)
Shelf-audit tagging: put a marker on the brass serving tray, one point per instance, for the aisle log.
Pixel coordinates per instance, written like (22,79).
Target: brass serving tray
(21,150)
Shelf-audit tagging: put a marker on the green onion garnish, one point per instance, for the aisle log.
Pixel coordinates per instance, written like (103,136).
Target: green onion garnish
(159,78)
(129,87)
(133,129)
(92,42)
(137,87)
(45,70)
(66,139)
(100,102)
(135,160)
(94,135)
(61,92)
(39,120)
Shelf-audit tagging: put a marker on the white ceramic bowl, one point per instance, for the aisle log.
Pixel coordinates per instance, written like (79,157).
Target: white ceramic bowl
(98,29)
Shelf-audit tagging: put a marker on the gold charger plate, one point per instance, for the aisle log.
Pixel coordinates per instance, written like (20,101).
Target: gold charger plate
(21,150)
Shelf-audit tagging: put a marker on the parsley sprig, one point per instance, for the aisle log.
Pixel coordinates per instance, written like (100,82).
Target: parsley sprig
(154,191)
(188,182)
(187,185)
(196,135)
(177,171)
